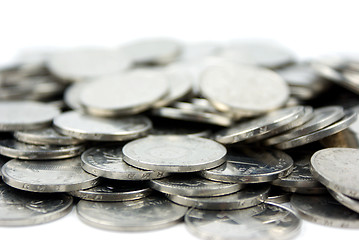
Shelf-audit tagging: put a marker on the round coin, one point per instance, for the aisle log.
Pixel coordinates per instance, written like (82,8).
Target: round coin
(25,115)
(81,126)
(72,94)
(174,153)
(349,202)
(47,176)
(19,208)
(152,212)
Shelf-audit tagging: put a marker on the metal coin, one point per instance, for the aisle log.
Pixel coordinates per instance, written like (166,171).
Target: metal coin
(87,127)
(278,196)
(108,162)
(324,210)
(174,153)
(337,169)
(336,127)
(349,202)
(263,222)
(72,94)
(323,117)
(152,212)
(25,115)
(45,136)
(3,160)
(192,185)
(47,176)
(15,149)
(343,139)
(247,197)
(305,190)
(19,208)
(251,165)
(243,88)
(113,191)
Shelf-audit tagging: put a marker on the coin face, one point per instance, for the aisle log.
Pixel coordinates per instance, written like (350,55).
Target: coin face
(152,212)
(174,153)
(337,168)
(243,88)
(107,162)
(19,208)
(266,221)
(24,115)
(87,127)
(47,176)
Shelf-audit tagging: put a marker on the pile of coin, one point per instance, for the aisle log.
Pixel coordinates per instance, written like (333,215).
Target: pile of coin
(157,131)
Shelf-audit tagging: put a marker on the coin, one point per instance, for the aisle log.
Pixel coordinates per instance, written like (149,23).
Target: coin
(251,165)
(343,139)
(113,191)
(263,222)
(47,176)
(324,210)
(336,127)
(192,185)
(243,89)
(3,160)
(72,94)
(349,202)
(278,196)
(152,212)
(174,153)
(247,197)
(45,136)
(323,117)
(81,126)
(19,208)
(305,190)
(15,149)
(337,169)
(25,115)
(107,162)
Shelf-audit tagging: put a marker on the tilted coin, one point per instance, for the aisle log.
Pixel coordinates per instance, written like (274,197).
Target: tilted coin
(349,202)
(47,176)
(192,185)
(174,153)
(343,139)
(302,93)
(15,149)
(243,88)
(72,94)
(277,195)
(250,196)
(336,127)
(124,94)
(323,117)
(45,136)
(113,191)
(82,126)
(25,115)
(107,162)
(337,169)
(19,208)
(251,165)
(152,212)
(324,210)
(263,222)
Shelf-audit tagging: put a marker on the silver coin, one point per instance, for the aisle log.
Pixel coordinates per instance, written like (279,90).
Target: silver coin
(151,51)
(247,197)
(25,115)
(263,222)
(108,162)
(278,196)
(349,202)
(324,210)
(86,63)
(15,149)
(152,212)
(302,93)
(174,153)
(72,94)
(322,118)
(251,165)
(87,127)
(113,191)
(343,139)
(337,169)
(259,126)
(45,136)
(305,190)
(243,89)
(336,127)
(47,176)
(194,186)
(19,208)
(3,160)
(124,94)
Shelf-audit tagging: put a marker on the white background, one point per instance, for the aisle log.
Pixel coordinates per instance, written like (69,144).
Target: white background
(310,28)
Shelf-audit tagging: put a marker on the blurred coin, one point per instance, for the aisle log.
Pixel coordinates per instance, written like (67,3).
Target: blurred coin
(349,202)
(72,94)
